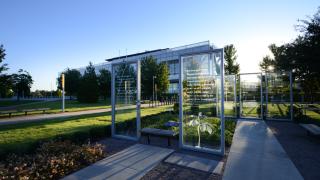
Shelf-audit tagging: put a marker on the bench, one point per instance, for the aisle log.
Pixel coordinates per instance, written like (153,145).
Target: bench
(158,132)
(32,110)
(9,112)
(311,129)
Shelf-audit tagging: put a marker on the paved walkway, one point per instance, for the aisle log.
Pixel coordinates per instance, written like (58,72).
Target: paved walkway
(256,154)
(131,163)
(41,117)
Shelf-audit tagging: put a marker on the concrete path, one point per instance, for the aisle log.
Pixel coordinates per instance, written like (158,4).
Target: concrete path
(256,154)
(41,117)
(131,163)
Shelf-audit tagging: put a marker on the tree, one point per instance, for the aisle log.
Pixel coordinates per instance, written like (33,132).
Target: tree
(88,88)
(72,80)
(231,66)
(22,82)
(5,80)
(162,79)
(302,55)
(266,64)
(104,81)
(148,71)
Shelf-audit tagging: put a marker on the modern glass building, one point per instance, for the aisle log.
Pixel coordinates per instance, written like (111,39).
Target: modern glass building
(170,56)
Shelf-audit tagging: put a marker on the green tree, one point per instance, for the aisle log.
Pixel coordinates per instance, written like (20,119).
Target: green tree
(72,80)
(230,56)
(162,79)
(89,88)
(22,82)
(149,68)
(302,55)
(104,81)
(5,80)
(266,64)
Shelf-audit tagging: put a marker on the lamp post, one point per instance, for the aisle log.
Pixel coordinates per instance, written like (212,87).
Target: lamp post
(153,77)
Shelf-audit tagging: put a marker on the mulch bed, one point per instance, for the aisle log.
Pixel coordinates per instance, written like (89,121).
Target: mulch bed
(303,150)
(113,145)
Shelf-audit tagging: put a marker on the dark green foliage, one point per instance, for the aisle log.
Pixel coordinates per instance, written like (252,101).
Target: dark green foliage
(104,81)
(297,113)
(100,132)
(3,67)
(88,89)
(267,64)
(160,72)
(230,126)
(231,66)
(22,82)
(214,111)
(72,81)
(302,56)
(195,109)
(176,108)
(80,136)
(259,111)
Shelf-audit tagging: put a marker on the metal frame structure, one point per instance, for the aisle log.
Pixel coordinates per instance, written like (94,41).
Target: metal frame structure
(138,102)
(234,95)
(220,151)
(261,97)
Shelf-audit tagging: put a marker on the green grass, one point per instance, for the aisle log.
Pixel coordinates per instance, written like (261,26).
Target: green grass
(14,103)
(22,136)
(55,106)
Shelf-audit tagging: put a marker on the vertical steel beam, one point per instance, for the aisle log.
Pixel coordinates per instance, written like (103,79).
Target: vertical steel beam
(181,103)
(291,96)
(138,102)
(113,100)
(222,138)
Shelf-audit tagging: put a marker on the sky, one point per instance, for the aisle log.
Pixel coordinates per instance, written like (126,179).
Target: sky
(46,37)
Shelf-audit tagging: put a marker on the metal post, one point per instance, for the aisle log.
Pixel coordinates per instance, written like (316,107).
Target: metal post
(222,103)
(267,94)
(63,91)
(112,100)
(291,96)
(138,99)
(181,104)
(261,96)
(235,95)
(240,100)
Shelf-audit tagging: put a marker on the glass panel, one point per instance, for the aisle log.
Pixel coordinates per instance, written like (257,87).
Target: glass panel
(201,118)
(125,99)
(230,96)
(250,95)
(278,96)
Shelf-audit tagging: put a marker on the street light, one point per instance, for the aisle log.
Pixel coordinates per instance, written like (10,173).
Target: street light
(153,77)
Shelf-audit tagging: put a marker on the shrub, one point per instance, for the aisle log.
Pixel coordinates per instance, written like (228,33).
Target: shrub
(296,112)
(52,160)
(99,132)
(80,136)
(176,108)
(214,111)
(194,109)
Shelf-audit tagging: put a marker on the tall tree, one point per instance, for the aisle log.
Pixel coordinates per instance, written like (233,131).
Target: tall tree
(266,64)
(104,81)
(148,71)
(5,80)
(22,82)
(162,79)
(302,55)
(89,88)
(230,56)
(72,80)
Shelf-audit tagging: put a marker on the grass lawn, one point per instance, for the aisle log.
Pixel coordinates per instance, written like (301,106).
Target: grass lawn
(55,106)
(14,103)
(22,136)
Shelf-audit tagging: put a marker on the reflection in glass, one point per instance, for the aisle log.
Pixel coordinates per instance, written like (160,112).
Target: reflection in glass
(250,95)
(125,99)
(278,95)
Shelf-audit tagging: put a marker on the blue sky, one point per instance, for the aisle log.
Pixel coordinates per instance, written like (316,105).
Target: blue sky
(45,37)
